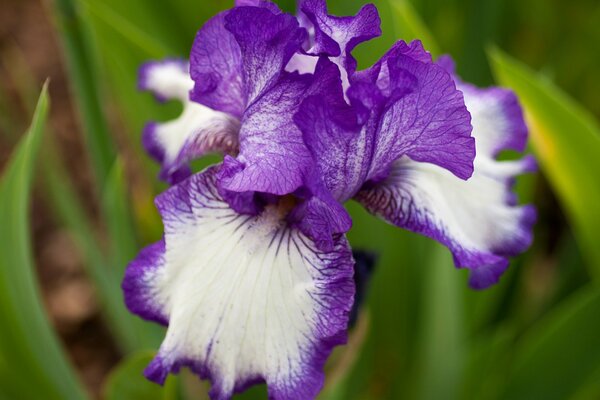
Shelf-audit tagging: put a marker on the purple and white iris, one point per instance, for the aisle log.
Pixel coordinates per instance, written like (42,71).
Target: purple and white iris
(254,274)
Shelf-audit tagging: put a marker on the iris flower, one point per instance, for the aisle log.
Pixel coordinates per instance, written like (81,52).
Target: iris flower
(254,274)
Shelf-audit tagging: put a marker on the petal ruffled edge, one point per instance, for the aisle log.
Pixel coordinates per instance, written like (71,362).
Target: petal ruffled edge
(317,290)
(478,219)
(140,276)
(415,110)
(473,218)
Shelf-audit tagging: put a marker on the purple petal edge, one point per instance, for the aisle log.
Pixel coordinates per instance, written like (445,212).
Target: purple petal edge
(136,291)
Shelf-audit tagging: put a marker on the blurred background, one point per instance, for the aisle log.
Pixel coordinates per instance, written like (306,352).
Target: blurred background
(422,334)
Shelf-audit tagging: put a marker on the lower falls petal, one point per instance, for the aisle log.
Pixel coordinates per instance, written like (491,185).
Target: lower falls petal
(197,131)
(247,298)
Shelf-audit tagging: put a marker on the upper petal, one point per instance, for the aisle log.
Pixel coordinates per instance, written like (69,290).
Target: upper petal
(197,131)
(336,37)
(216,68)
(267,41)
(416,111)
(256,3)
(273,157)
(341,147)
(477,219)
(247,298)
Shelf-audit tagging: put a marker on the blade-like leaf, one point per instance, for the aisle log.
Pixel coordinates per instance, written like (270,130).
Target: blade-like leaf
(408,25)
(122,234)
(123,250)
(84,78)
(106,281)
(127,382)
(441,335)
(566,140)
(28,344)
(128,30)
(385,367)
(560,353)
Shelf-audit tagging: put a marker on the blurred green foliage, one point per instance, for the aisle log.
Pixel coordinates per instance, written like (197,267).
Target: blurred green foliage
(423,333)
(30,351)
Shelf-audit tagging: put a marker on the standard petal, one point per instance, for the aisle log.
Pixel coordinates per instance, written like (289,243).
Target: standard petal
(216,68)
(266,41)
(197,131)
(417,112)
(302,63)
(248,298)
(340,146)
(273,157)
(477,219)
(336,37)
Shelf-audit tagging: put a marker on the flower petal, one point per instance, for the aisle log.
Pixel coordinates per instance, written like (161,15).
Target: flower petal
(273,157)
(141,276)
(336,37)
(477,219)
(216,68)
(320,216)
(340,146)
(248,298)
(418,112)
(267,41)
(197,131)
(499,114)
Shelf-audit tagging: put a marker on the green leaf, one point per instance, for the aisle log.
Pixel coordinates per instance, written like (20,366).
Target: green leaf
(124,248)
(120,225)
(29,347)
(441,335)
(127,382)
(104,276)
(560,353)
(408,26)
(84,77)
(385,366)
(566,140)
(128,30)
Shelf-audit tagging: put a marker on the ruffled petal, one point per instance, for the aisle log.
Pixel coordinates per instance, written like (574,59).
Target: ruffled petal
(341,147)
(216,68)
(499,113)
(417,112)
(336,37)
(141,276)
(477,219)
(267,41)
(273,157)
(248,298)
(197,131)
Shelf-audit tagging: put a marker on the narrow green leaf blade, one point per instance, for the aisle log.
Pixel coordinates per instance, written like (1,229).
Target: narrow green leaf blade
(28,344)
(84,78)
(408,26)
(441,335)
(560,353)
(566,140)
(124,248)
(105,278)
